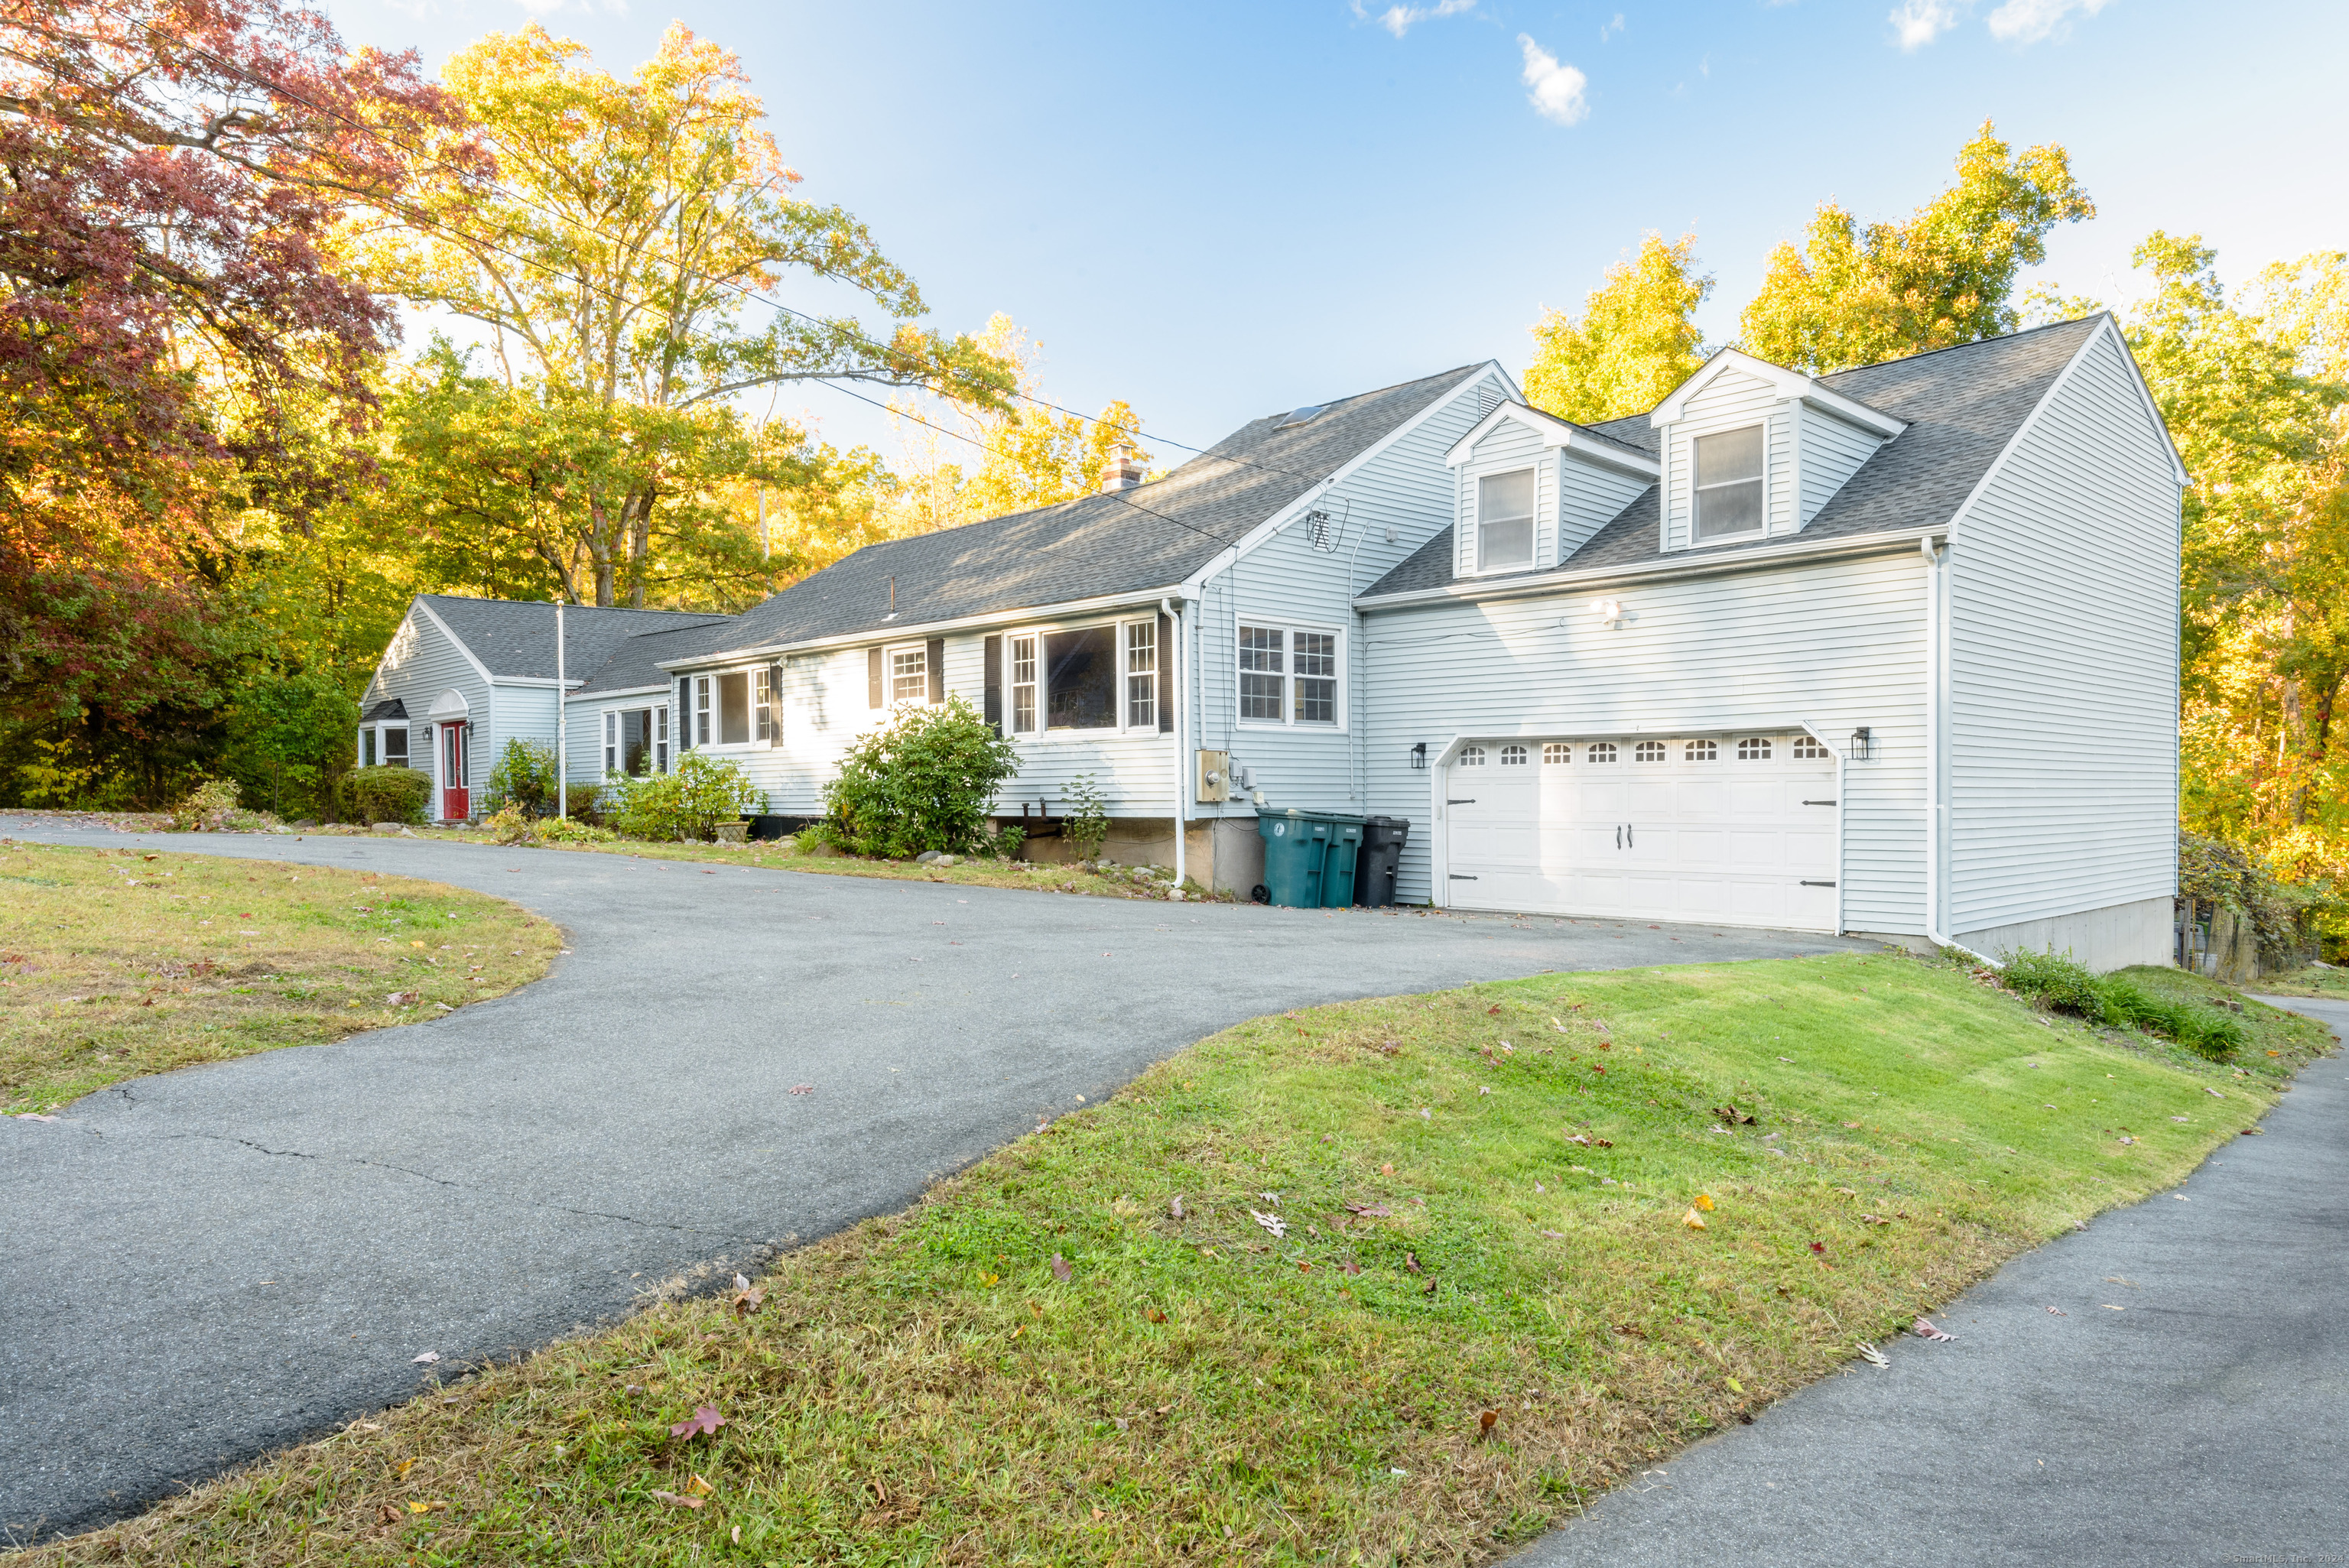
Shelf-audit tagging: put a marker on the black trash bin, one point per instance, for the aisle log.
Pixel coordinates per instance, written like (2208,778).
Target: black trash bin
(1381,854)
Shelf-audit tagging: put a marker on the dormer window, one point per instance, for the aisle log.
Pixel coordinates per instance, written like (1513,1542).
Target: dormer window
(1729,483)
(1505,520)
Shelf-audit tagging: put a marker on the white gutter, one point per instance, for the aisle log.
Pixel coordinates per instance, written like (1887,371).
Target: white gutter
(1173,613)
(1937,730)
(1709,564)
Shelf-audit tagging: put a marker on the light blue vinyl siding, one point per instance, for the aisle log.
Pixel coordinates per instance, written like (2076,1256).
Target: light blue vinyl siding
(2062,706)
(1831,452)
(1731,401)
(1590,498)
(1835,645)
(1506,448)
(1285,582)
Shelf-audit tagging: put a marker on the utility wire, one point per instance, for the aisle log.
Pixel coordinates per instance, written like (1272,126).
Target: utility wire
(756,296)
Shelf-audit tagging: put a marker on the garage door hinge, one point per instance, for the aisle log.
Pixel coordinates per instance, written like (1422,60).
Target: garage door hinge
(1461,876)
(1818,884)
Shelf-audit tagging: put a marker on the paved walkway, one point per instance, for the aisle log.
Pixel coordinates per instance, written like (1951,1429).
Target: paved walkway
(2204,1423)
(207,1264)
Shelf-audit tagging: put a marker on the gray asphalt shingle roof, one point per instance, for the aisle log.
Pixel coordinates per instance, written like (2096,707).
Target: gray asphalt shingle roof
(636,661)
(1097,545)
(515,637)
(1963,406)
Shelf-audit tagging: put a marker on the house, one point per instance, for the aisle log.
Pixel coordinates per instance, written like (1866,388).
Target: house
(462,676)
(1891,652)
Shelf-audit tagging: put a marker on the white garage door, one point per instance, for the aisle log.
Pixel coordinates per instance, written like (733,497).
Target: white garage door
(1728,829)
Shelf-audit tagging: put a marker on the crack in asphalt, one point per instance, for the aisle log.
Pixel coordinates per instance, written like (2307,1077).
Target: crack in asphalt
(458,1186)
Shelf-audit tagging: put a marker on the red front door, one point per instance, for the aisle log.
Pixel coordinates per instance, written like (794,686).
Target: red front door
(455,798)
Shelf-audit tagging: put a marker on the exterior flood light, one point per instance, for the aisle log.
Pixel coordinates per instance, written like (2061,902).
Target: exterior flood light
(1863,745)
(1609,610)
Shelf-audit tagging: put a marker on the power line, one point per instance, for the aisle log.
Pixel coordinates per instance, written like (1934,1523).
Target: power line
(859,336)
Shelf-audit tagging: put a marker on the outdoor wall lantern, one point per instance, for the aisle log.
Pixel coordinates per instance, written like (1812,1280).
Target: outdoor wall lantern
(1863,745)
(1609,610)
(1419,755)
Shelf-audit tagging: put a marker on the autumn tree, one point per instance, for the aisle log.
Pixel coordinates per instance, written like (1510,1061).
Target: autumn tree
(966,459)
(1859,293)
(1635,341)
(618,267)
(183,354)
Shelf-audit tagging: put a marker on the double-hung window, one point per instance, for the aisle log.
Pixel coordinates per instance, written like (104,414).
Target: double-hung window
(762,701)
(1287,675)
(702,715)
(394,745)
(367,747)
(1505,520)
(1141,675)
(1729,483)
(1023,673)
(611,741)
(909,673)
(722,710)
(635,742)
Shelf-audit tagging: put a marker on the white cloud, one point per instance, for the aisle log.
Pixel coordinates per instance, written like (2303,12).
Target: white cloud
(1919,22)
(1558,86)
(1398,19)
(1612,28)
(2031,21)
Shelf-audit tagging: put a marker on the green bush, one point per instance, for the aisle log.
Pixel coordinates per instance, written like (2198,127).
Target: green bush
(383,794)
(2053,981)
(216,807)
(1086,823)
(922,781)
(524,777)
(688,803)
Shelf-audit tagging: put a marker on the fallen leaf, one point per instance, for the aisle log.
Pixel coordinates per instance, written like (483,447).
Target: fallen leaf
(1819,1246)
(1174,1206)
(1631,1330)
(1273,1222)
(1495,1007)
(1692,1220)
(1734,1116)
(2109,1307)
(1062,1272)
(1370,1211)
(1873,1356)
(679,1502)
(404,998)
(1704,1201)
(1874,1219)
(1350,1266)
(434,1507)
(1555,1235)
(748,1297)
(1924,1330)
(699,1488)
(1846,1191)
(1271,1198)
(2058,1312)
(1411,1261)
(1156,1315)
(802,1088)
(425,1359)
(1386,1169)
(705,1419)
(1486,1421)
(2216,1093)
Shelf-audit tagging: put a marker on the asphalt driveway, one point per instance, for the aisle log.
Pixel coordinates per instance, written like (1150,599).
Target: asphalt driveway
(2187,1408)
(205,1266)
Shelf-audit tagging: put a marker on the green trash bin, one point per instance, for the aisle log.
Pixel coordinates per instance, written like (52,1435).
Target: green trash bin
(1308,857)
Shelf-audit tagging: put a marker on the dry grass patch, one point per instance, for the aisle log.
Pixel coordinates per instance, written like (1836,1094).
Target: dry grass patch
(1393,1282)
(119,962)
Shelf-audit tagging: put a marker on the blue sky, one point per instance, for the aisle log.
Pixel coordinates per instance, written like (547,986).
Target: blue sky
(1218,211)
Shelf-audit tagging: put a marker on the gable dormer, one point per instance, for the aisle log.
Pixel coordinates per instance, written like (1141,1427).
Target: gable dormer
(1529,488)
(1751,450)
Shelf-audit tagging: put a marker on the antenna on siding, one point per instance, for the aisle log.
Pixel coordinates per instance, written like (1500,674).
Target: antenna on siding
(1326,529)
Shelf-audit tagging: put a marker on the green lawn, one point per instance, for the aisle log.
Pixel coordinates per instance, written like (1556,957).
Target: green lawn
(1483,1201)
(119,962)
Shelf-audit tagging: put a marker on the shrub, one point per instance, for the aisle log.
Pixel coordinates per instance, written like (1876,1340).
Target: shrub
(383,794)
(687,803)
(214,807)
(567,830)
(524,777)
(922,781)
(2053,981)
(1086,823)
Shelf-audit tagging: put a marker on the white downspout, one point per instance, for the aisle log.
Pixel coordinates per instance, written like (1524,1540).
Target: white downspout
(1174,614)
(562,725)
(1937,731)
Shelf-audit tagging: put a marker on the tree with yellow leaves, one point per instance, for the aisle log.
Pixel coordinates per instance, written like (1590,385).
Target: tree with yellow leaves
(1636,339)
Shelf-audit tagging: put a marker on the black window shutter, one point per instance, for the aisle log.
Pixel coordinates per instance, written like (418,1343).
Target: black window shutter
(685,714)
(873,677)
(936,661)
(1166,674)
(993,656)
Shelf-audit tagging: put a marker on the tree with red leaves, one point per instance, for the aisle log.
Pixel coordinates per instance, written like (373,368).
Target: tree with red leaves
(181,341)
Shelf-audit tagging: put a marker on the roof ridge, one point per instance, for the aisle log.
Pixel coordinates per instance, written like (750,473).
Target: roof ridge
(1973,342)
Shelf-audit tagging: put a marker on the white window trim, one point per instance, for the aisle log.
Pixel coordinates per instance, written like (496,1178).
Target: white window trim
(1476,506)
(1288,722)
(1039,630)
(1743,535)
(890,701)
(379,729)
(706,685)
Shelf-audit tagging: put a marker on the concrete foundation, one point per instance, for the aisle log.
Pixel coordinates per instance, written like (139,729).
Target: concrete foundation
(1221,853)
(2098,939)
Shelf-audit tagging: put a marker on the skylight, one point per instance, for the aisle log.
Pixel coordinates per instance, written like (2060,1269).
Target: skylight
(1301,417)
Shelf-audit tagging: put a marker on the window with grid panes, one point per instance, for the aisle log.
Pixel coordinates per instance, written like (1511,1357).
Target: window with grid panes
(1754,748)
(1557,751)
(1703,751)
(909,673)
(1287,675)
(1264,680)
(1808,750)
(1601,751)
(1023,684)
(1649,751)
(1512,756)
(1141,675)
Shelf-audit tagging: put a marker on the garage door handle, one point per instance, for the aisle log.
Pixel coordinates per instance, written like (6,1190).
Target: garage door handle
(1459,876)
(1818,884)
(1618,835)
(1818,803)
(1471,801)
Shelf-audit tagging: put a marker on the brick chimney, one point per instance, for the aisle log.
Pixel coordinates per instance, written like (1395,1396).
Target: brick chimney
(1119,471)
